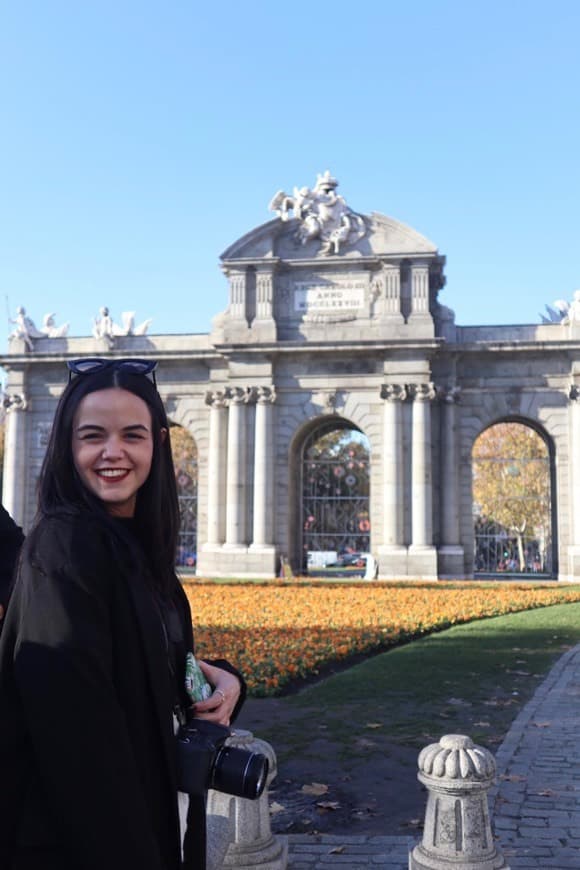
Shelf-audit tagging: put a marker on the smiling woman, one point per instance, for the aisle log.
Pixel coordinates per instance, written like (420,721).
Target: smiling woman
(95,646)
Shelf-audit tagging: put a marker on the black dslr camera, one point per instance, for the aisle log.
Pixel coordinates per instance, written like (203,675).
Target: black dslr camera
(204,761)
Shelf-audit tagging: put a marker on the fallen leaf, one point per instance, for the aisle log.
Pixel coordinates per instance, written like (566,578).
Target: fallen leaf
(541,724)
(315,788)
(513,777)
(276,808)
(483,724)
(459,702)
(328,805)
(412,823)
(546,792)
(338,850)
(519,673)
(374,725)
(364,743)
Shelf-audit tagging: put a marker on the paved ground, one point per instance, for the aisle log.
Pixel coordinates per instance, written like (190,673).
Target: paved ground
(535,807)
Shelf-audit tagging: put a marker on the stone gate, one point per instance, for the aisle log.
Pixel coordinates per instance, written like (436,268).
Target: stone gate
(331,315)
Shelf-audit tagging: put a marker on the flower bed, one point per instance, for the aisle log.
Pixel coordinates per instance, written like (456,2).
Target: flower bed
(278,632)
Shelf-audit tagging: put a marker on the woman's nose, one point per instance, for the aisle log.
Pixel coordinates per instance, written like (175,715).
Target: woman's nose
(112,448)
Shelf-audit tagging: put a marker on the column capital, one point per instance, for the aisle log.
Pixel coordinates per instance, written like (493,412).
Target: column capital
(240,395)
(265,395)
(216,398)
(394,392)
(14,402)
(423,392)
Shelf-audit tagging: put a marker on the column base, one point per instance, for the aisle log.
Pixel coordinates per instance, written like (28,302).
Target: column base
(451,562)
(573,564)
(393,564)
(237,560)
(422,562)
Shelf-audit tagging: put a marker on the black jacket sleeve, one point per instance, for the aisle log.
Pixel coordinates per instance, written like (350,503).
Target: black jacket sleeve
(63,672)
(11,539)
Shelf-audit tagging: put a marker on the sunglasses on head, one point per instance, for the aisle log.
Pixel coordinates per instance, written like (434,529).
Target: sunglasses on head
(92,365)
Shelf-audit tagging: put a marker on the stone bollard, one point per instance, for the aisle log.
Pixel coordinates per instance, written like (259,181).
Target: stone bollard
(457,832)
(238,829)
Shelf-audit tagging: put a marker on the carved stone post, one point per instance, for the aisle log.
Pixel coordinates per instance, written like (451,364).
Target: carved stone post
(420,315)
(237,306)
(216,468)
(457,831)
(574,483)
(393,548)
(422,554)
(236,486)
(14,489)
(264,470)
(392,290)
(450,552)
(238,829)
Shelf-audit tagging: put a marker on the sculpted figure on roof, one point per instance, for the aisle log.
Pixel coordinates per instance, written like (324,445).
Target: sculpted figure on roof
(322,214)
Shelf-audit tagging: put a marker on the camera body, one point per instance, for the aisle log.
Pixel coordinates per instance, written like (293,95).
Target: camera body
(205,761)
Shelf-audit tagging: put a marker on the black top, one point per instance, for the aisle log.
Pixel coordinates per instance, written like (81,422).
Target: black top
(11,538)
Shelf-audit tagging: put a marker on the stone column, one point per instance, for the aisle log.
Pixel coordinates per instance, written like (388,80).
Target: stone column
(264,326)
(574,483)
(238,829)
(264,470)
(390,284)
(14,486)
(393,551)
(236,508)
(420,316)
(451,562)
(216,468)
(237,306)
(457,831)
(420,290)
(424,558)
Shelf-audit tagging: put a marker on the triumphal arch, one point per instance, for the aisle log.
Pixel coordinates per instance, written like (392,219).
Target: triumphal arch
(334,325)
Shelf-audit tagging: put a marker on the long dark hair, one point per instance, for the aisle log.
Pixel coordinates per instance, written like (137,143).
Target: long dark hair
(61,489)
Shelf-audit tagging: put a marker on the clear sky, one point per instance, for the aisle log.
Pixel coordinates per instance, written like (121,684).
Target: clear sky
(140,138)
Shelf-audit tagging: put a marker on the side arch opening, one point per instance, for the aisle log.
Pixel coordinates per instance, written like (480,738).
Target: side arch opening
(514,513)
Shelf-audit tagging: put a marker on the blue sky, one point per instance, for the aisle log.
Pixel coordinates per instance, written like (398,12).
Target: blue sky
(140,139)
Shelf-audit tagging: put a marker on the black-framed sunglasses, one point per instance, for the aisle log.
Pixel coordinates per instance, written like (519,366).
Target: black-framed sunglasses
(91,365)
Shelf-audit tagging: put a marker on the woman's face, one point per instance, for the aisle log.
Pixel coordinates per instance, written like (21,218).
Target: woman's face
(112,447)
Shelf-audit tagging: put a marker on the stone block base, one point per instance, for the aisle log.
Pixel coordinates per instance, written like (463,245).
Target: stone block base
(392,563)
(422,562)
(451,562)
(573,565)
(225,560)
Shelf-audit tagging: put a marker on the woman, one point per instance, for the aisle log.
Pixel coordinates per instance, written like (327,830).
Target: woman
(93,649)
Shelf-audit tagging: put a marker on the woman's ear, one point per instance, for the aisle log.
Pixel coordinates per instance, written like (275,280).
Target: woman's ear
(163,435)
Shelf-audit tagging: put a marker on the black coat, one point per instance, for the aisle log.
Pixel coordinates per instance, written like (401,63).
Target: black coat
(87,751)
(11,538)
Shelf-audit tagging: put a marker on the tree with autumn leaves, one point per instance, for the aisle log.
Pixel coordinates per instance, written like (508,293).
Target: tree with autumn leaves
(511,482)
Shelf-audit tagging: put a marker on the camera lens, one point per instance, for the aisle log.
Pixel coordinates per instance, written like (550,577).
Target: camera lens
(240,773)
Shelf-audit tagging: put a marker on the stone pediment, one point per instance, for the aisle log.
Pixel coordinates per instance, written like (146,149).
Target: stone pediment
(277,239)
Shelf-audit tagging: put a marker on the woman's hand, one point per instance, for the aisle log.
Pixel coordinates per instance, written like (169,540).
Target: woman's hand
(220,706)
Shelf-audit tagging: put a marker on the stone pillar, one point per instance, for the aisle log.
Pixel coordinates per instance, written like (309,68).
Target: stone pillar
(574,483)
(216,468)
(264,325)
(236,485)
(420,290)
(422,554)
(237,306)
(264,470)
(391,284)
(238,829)
(14,486)
(420,316)
(451,554)
(393,550)
(457,831)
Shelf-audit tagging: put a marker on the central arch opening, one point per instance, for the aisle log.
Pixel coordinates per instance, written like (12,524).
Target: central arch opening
(335,518)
